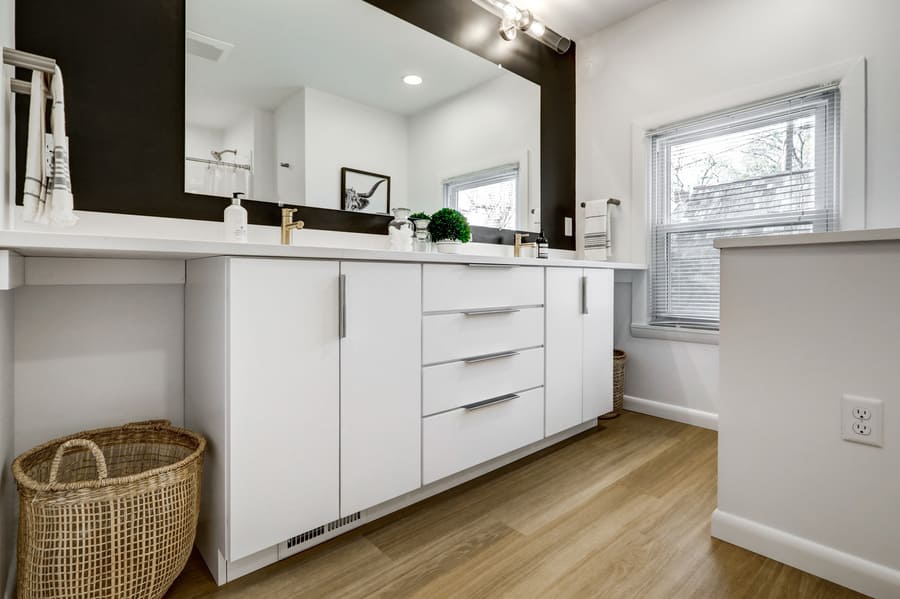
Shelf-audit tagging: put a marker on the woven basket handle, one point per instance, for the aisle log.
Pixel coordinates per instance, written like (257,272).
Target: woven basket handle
(161,423)
(102,472)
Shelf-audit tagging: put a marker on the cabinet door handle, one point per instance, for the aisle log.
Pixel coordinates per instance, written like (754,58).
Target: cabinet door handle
(584,295)
(491,402)
(491,311)
(486,357)
(342,306)
(476,265)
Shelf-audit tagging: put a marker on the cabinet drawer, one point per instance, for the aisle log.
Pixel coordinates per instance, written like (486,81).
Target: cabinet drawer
(449,386)
(447,337)
(454,441)
(460,287)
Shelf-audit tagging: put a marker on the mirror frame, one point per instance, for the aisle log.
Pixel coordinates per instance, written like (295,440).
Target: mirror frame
(125,90)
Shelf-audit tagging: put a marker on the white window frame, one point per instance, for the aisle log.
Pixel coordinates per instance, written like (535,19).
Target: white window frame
(851,75)
(823,104)
(497,174)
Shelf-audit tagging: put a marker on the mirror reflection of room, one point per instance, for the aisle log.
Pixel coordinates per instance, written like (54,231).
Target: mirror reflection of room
(286,105)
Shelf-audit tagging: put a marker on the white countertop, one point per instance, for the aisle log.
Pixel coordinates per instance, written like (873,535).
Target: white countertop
(65,245)
(860,236)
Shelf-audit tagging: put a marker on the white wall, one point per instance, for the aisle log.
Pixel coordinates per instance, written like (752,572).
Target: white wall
(472,132)
(7,451)
(96,355)
(681,53)
(290,147)
(200,141)
(339,133)
(253,136)
(801,326)
(8,522)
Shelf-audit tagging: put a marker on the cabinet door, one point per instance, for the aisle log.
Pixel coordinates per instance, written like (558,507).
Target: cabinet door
(598,343)
(563,349)
(284,400)
(381,360)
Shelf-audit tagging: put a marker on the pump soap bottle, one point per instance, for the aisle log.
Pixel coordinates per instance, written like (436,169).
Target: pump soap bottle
(236,220)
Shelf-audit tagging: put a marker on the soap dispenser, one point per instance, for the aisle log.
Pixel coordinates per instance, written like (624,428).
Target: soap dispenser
(236,220)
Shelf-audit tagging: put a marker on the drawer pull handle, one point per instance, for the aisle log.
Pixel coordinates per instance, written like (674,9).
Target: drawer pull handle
(486,357)
(342,307)
(491,402)
(491,311)
(476,265)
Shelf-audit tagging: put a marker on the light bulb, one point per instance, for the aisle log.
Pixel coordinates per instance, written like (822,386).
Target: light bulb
(412,80)
(508,30)
(537,28)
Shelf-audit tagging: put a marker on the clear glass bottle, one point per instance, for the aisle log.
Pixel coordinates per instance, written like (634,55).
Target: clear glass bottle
(400,230)
(422,242)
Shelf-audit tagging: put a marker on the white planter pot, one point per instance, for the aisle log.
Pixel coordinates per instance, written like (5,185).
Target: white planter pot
(448,246)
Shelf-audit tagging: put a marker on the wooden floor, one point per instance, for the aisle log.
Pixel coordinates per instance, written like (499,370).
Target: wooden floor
(622,511)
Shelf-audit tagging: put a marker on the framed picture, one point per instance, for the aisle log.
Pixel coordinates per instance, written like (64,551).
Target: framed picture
(362,191)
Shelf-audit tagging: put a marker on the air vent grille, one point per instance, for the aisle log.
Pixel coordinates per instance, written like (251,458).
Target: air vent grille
(207,47)
(321,530)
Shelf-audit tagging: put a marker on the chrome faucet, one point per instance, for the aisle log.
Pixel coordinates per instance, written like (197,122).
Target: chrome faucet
(519,244)
(288,224)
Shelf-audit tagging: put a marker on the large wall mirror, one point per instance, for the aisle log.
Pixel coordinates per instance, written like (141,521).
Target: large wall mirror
(343,106)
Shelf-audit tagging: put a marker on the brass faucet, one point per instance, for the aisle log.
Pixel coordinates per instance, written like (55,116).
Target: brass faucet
(520,244)
(288,225)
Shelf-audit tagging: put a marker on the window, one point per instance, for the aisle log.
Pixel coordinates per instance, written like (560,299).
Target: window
(767,169)
(487,198)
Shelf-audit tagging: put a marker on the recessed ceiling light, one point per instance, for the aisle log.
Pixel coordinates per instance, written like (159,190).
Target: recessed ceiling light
(412,80)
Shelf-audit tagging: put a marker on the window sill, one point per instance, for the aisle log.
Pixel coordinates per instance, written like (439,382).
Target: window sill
(687,335)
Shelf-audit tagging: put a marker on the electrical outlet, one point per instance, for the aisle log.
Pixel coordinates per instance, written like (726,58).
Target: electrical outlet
(862,420)
(567,223)
(862,413)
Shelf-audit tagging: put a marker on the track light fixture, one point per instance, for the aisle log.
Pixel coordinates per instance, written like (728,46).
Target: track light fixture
(514,20)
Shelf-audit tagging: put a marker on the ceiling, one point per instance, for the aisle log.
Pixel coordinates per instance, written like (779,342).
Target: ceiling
(345,47)
(577,19)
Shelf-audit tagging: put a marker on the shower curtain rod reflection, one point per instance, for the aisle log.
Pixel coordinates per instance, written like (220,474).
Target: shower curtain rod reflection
(219,163)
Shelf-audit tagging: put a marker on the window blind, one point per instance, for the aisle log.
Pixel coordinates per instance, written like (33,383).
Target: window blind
(766,169)
(487,198)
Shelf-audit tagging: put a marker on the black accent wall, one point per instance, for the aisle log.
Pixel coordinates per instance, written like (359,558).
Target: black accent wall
(123,67)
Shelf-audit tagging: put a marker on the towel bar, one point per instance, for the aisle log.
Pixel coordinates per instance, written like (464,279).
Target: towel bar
(26,60)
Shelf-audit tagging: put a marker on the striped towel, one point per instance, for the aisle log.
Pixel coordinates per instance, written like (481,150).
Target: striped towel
(35,190)
(48,184)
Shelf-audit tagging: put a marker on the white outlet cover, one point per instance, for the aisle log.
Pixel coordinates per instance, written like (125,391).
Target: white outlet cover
(567,221)
(875,407)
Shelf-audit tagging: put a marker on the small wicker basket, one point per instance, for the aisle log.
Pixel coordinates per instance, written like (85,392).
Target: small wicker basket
(109,512)
(619,358)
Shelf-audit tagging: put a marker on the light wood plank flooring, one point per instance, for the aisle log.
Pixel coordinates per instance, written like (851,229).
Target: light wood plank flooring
(622,511)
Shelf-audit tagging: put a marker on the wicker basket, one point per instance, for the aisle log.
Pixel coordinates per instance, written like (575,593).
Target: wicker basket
(109,512)
(619,358)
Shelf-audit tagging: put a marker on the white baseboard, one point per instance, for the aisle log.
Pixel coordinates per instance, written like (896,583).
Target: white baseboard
(672,412)
(825,562)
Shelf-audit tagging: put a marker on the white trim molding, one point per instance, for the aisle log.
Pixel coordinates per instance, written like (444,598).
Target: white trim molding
(672,412)
(103,271)
(825,562)
(12,270)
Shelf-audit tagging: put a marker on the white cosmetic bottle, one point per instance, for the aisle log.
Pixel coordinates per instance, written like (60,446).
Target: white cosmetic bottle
(236,220)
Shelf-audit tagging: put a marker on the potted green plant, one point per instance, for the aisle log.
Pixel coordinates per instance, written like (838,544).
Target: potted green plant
(449,229)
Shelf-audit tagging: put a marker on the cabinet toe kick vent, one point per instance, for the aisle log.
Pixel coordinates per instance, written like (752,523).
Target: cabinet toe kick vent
(306,539)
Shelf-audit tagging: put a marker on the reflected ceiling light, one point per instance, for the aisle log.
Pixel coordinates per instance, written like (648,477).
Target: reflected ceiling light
(515,19)
(412,80)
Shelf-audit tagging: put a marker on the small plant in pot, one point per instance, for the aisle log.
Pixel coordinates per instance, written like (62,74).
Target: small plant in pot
(449,229)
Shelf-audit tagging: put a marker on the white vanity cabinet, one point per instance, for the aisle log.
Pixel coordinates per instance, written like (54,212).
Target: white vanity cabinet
(262,384)
(483,353)
(304,375)
(579,346)
(381,408)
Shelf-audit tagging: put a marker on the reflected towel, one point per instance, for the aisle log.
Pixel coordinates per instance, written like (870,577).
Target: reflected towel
(60,203)
(34,190)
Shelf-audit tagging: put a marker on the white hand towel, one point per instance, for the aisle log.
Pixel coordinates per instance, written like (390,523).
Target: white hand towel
(60,203)
(35,191)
